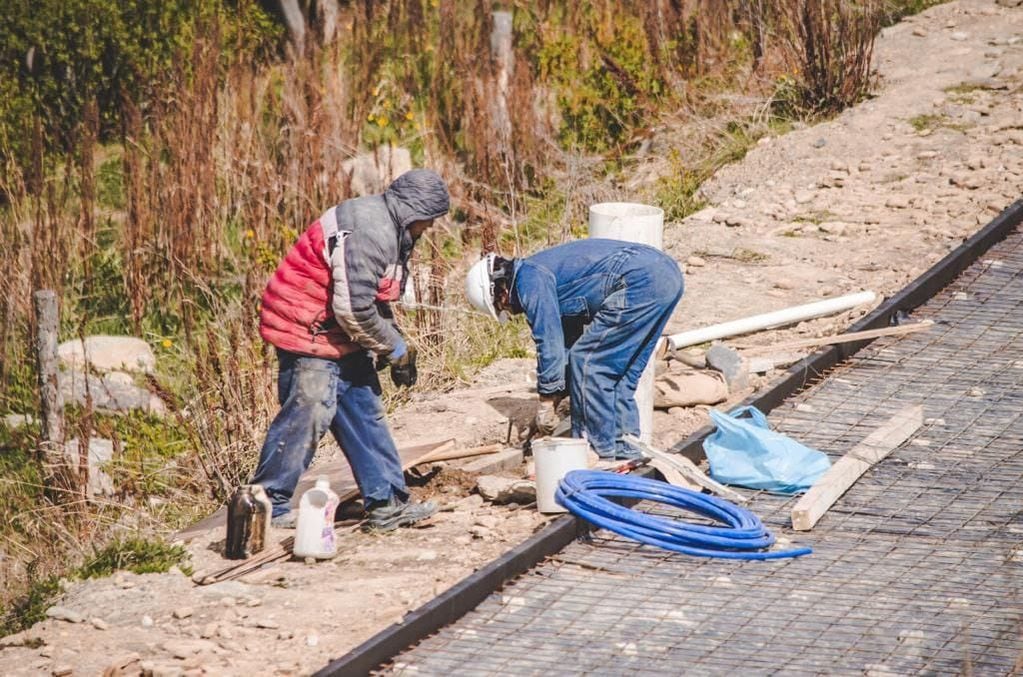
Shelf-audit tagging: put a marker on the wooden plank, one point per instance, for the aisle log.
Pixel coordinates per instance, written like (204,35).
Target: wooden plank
(844,473)
(341,481)
(446,454)
(838,338)
(687,470)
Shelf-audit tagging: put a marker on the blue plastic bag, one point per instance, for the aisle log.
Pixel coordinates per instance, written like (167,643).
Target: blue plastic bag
(745,452)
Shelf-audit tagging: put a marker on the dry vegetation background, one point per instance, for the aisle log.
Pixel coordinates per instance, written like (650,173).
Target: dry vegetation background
(155,163)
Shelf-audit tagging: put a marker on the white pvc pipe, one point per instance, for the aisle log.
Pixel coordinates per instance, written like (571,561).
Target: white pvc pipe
(644,224)
(776,318)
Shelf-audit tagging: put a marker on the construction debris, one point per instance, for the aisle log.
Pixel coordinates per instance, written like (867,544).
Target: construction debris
(730,363)
(680,466)
(844,473)
(838,338)
(689,388)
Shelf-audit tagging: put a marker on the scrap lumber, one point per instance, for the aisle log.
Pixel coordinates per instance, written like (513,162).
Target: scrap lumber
(837,338)
(341,480)
(441,451)
(844,473)
(690,474)
(448,454)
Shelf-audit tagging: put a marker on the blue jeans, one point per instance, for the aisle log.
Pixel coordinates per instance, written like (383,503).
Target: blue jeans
(344,396)
(606,362)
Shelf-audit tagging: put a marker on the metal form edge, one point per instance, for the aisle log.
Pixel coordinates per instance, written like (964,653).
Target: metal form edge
(465,595)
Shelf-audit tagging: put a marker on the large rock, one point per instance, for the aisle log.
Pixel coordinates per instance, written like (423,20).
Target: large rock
(101,452)
(730,363)
(111,393)
(108,353)
(372,172)
(506,490)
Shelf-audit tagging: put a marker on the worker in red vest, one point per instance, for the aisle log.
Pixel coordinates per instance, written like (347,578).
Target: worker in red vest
(326,310)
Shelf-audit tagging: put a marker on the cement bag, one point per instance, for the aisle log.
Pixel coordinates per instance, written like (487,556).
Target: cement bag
(745,452)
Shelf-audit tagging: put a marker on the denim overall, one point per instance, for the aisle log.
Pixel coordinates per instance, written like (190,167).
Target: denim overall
(596,309)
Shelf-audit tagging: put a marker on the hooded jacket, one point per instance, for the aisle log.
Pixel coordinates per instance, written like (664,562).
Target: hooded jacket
(329,296)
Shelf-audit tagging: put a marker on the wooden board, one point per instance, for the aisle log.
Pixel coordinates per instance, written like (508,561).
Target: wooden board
(844,473)
(341,481)
(836,339)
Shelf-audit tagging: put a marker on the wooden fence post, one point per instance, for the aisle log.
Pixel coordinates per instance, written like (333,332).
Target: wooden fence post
(51,400)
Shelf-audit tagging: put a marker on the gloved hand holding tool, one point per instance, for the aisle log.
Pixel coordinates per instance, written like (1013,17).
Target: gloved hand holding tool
(403,369)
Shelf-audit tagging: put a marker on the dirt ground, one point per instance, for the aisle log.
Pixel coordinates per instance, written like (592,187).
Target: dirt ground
(868,200)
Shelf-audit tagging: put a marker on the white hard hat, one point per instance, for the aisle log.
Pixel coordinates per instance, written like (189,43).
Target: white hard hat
(479,286)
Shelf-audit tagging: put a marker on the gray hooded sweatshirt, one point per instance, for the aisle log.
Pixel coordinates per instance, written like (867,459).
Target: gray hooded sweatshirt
(368,246)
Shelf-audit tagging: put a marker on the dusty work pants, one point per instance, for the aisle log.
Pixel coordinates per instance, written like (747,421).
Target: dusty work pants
(606,362)
(344,396)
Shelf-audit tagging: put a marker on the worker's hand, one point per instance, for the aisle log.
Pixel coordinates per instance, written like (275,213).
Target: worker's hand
(403,369)
(546,419)
(383,362)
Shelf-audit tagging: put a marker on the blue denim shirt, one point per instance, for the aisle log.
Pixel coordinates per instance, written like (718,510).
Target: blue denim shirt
(560,290)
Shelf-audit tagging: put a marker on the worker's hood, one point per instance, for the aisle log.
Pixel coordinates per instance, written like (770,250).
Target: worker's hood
(417,195)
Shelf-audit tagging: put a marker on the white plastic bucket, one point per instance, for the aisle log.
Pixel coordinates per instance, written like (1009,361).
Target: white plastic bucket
(629,221)
(633,222)
(554,457)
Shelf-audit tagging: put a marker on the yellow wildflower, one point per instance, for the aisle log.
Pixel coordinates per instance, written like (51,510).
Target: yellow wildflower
(167,343)
(250,233)
(409,116)
(382,122)
(376,91)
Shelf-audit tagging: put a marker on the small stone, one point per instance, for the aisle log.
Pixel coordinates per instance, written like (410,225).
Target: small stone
(838,166)
(228,601)
(225,632)
(117,667)
(481,533)
(784,283)
(501,490)
(312,640)
(99,623)
(804,197)
(62,670)
(488,521)
(285,634)
(959,36)
(267,624)
(734,367)
(920,32)
(696,261)
(62,613)
(209,630)
(182,612)
(820,143)
(897,202)
(255,601)
(147,622)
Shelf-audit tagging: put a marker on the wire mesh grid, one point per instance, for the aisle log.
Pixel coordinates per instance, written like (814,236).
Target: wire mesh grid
(917,569)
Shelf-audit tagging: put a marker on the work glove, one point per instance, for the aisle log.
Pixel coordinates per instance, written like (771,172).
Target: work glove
(403,369)
(546,419)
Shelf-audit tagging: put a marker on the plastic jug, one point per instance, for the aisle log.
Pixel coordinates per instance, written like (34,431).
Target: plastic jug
(554,457)
(314,530)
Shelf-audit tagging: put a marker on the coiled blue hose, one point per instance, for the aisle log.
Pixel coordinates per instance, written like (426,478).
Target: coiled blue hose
(584,492)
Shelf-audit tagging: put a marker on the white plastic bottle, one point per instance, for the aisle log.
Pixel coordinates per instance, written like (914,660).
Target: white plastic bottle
(314,532)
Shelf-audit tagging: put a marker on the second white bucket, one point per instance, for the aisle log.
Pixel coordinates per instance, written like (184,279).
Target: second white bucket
(633,222)
(554,457)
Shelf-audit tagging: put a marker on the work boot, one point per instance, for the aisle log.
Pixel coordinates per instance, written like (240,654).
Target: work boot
(285,520)
(393,513)
(626,451)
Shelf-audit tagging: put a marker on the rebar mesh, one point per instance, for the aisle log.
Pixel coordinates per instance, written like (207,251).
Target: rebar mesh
(917,569)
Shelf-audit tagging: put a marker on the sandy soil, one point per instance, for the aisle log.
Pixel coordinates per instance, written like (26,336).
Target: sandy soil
(865,201)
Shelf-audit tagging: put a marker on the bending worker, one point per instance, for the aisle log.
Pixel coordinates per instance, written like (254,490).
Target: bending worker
(326,309)
(596,309)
